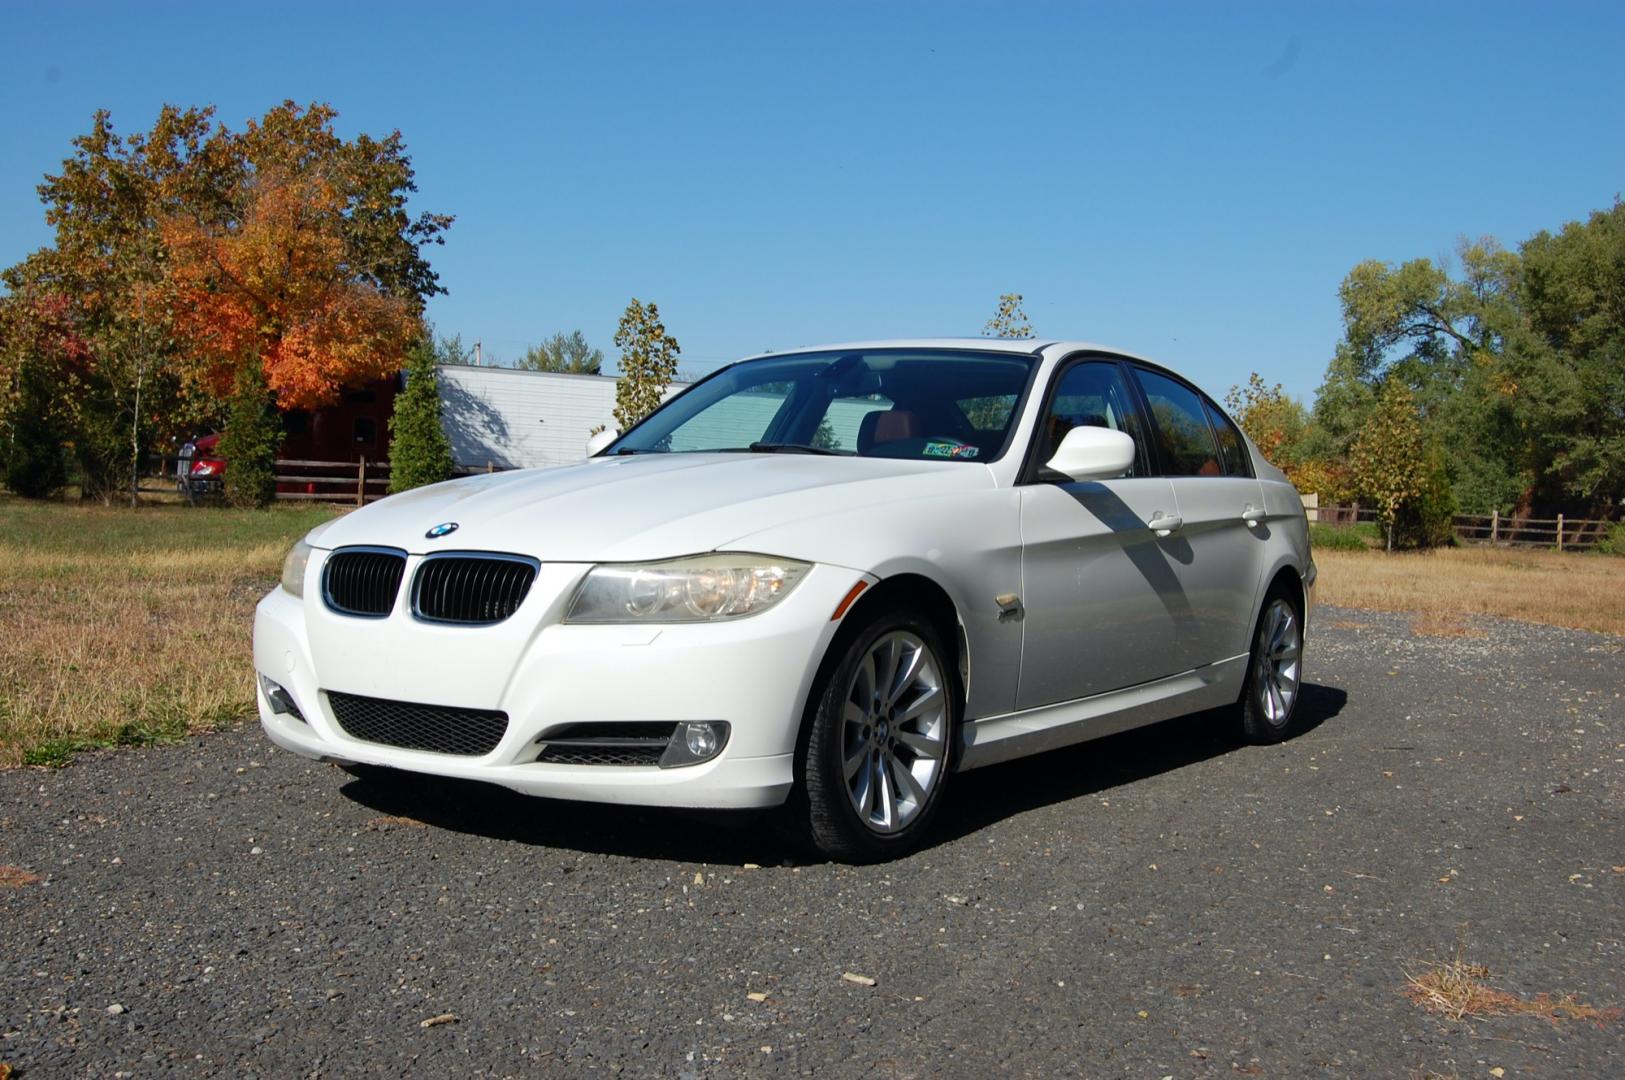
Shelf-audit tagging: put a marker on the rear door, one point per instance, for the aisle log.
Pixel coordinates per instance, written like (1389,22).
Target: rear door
(1100,594)
(1221,509)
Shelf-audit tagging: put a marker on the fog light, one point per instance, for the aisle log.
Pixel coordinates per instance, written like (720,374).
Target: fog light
(280,700)
(702,739)
(695,742)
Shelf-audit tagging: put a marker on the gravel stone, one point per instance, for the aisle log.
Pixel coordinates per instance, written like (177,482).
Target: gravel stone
(1161,903)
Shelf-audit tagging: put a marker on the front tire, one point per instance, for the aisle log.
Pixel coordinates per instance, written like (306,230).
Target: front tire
(880,741)
(1274,671)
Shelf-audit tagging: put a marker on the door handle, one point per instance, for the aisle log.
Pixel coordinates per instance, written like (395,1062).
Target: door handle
(1163,524)
(1252,515)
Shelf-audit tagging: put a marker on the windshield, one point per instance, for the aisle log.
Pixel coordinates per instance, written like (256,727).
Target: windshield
(930,404)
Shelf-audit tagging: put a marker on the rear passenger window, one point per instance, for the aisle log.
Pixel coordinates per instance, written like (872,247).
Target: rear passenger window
(1231,444)
(1182,434)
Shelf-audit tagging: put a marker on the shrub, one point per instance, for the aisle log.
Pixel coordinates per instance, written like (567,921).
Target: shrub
(419,452)
(1338,537)
(1426,520)
(1613,541)
(249,443)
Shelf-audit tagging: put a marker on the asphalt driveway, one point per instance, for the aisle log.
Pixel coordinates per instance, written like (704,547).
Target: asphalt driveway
(1163,903)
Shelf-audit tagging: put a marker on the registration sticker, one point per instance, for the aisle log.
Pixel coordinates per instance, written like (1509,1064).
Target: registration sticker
(951,450)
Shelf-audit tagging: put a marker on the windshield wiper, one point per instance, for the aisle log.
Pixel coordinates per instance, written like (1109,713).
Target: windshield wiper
(794,448)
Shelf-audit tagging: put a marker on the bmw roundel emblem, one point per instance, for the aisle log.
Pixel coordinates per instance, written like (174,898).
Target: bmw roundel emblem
(445,528)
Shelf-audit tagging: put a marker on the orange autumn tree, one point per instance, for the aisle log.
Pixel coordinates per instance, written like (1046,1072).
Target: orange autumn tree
(273,285)
(194,249)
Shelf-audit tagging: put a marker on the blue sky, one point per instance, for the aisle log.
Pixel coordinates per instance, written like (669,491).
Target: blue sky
(1189,181)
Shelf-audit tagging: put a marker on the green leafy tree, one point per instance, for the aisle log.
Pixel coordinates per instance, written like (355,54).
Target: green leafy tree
(32,458)
(37,348)
(567,354)
(1564,379)
(1387,455)
(1514,360)
(1428,519)
(450,350)
(249,443)
(648,362)
(1445,337)
(1009,320)
(419,452)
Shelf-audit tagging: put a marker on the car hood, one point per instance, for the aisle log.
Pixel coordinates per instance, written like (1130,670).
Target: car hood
(653,506)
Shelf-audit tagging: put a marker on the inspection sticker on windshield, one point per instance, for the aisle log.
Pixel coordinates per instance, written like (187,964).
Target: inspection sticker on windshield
(951,449)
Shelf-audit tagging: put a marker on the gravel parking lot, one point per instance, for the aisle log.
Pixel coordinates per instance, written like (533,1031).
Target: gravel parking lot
(1163,903)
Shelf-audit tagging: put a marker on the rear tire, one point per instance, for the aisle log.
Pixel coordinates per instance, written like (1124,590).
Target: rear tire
(1269,699)
(880,741)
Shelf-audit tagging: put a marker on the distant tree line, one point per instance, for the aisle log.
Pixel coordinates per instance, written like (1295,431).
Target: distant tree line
(1494,385)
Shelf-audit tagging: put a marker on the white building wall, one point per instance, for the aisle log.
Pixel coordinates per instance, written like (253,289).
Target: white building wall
(514,419)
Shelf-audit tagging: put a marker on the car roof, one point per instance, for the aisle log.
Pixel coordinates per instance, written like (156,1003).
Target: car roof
(1023,346)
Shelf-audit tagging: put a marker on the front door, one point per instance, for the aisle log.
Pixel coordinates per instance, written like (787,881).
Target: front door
(1103,605)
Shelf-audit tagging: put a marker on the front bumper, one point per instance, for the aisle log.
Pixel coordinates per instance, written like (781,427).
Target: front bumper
(753,673)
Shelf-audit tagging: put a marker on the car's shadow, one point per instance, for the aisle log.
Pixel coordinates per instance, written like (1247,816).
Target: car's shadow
(978,799)
(983,796)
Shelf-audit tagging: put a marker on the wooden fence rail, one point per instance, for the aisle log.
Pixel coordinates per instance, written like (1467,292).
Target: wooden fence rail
(1563,533)
(352,482)
(357,482)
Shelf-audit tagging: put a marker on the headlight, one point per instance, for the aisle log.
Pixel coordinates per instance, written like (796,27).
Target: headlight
(700,588)
(293,568)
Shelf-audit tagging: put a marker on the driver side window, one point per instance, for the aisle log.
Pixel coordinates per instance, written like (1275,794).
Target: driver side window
(1092,394)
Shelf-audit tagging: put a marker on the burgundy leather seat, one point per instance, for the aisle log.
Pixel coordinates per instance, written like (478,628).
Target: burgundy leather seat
(887,426)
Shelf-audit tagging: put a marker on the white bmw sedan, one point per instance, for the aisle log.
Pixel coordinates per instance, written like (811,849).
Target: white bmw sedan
(826,580)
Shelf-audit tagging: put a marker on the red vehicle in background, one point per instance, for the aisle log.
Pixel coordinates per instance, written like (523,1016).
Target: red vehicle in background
(330,440)
(200,469)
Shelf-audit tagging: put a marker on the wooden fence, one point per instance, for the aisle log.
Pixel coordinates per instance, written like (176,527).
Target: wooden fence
(349,483)
(353,482)
(357,482)
(1562,533)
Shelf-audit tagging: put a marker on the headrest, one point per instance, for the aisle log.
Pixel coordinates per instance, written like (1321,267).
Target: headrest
(887,426)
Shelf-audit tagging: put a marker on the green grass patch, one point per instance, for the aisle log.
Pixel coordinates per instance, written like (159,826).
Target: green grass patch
(1344,537)
(90,529)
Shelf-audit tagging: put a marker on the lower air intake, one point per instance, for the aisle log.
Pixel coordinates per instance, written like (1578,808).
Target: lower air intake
(606,744)
(438,729)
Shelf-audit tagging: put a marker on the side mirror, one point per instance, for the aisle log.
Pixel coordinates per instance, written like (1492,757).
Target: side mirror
(1093,453)
(601,440)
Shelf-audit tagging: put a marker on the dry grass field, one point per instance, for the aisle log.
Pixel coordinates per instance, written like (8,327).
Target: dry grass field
(1584,592)
(129,626)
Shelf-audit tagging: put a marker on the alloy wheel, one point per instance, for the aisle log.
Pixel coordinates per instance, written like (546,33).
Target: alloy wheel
(1280,662)
(894,743)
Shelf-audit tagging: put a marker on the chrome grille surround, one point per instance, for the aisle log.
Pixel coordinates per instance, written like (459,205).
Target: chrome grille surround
(471,588)
(362,581)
